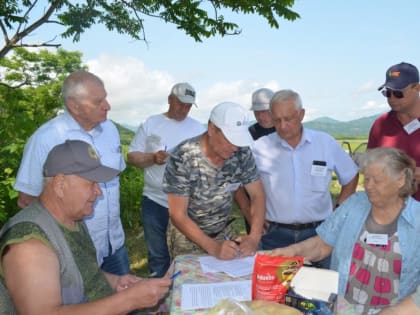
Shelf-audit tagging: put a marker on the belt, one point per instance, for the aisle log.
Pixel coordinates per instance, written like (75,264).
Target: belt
(296,226)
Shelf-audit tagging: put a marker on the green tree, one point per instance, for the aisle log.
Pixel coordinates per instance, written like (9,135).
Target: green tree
(199,19)
(29,96)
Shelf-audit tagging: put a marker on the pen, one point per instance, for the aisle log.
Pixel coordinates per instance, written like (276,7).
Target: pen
(227,239)
(174,275)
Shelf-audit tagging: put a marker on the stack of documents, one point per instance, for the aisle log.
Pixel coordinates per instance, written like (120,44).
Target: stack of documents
(207,295)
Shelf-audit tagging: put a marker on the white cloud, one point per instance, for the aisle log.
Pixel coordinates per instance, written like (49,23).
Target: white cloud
(366,87)
(136,92)
(373,105)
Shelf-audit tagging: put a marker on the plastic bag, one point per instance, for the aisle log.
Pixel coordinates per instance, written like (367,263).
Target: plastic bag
(230,307)
(233,307)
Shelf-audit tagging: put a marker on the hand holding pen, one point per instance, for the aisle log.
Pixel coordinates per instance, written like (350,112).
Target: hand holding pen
(160,157)
(235,245)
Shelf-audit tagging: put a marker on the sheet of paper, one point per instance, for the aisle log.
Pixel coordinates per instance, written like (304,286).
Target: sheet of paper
(235,268)
(307,279)
(207,295)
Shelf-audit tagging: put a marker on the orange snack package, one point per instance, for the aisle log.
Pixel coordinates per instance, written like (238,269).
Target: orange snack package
(272,276)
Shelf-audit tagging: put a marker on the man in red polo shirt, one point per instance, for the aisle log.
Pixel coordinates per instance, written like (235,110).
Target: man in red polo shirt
(400,127)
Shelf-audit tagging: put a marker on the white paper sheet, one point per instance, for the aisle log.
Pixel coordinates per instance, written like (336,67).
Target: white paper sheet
(235,268)
(307,282)
(207,295)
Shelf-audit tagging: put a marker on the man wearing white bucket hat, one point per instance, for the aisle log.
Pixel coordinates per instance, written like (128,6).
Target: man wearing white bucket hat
(201,177)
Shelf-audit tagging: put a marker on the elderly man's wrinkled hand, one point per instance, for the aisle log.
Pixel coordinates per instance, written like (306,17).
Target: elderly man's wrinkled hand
(126,281)
(283,251)
(149,292)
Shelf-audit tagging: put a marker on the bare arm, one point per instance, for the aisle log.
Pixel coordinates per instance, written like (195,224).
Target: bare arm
(178,206)
(348,189)
(242,200)
(35,287)
(25,200)
(143,160)
(313,249)
(255,217)
(406,307)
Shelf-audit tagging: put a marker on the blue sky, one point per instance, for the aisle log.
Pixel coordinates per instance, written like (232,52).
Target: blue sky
(335,56)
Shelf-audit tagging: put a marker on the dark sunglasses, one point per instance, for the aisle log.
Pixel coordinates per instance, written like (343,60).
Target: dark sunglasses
(397,93)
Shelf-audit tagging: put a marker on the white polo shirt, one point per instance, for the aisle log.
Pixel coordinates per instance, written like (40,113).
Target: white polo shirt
(296,180)
(104,224)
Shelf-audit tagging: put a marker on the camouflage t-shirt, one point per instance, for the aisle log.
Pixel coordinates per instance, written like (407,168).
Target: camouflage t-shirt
(209,188)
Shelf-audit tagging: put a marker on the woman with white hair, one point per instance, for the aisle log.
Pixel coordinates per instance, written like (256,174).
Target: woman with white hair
(374,236)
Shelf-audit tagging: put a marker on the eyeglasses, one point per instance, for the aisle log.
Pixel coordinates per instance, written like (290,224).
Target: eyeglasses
(388,92)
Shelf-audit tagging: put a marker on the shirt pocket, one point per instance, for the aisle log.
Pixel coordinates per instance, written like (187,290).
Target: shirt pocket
(320,183)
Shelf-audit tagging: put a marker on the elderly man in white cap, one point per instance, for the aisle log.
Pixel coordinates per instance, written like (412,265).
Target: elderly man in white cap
(261,107)
(200,178)
(149,149)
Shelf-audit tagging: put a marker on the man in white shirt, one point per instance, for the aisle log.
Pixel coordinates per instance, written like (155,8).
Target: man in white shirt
(85,118)
(149,149)
(296,165)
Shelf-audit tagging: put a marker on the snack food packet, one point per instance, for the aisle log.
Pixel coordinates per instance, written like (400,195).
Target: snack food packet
(272,276)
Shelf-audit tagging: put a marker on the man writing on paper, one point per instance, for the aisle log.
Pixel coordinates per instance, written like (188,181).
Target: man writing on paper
(200,178)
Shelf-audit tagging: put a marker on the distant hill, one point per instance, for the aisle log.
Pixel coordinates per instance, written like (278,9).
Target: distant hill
(357,128)
(132,128)
(125,134)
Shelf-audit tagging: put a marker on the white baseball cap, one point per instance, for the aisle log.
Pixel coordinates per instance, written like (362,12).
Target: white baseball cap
(184,92)
(261,99)
(232,119)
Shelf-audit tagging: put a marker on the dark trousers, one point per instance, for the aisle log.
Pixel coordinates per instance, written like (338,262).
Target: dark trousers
(282,237)
(117,263)
(155,223)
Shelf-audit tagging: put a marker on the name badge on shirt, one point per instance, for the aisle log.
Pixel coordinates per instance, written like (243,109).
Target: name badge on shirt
(377,239)
(232,187)
(412,126)
(319,168)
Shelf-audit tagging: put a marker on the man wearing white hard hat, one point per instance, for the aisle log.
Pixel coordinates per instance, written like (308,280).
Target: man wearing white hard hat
(201,177)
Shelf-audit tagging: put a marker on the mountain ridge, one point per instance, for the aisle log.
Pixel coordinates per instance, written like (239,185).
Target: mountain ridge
(357,128)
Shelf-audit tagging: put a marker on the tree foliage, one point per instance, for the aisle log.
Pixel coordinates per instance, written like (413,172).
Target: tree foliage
(197,18)
(29,96)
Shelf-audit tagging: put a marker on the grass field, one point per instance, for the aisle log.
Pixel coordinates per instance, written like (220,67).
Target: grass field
(134,231)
